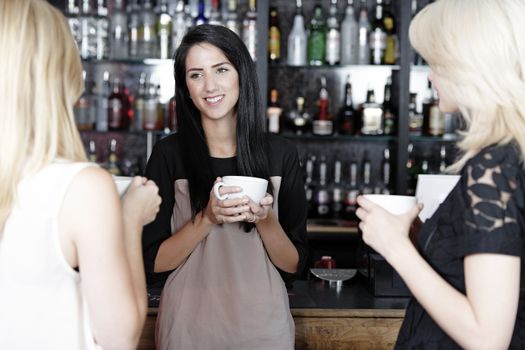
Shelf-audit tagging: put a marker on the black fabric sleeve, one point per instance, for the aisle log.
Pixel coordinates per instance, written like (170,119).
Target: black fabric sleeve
(160,169)
(293,209)
(494,197)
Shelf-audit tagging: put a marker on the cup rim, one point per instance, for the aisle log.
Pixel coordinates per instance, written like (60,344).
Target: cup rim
(244,178)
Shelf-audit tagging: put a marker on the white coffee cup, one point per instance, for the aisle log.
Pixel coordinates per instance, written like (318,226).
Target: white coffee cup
(253,187)
(396,205)
(122,183)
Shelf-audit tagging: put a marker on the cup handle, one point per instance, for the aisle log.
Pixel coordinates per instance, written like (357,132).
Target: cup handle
(217,193)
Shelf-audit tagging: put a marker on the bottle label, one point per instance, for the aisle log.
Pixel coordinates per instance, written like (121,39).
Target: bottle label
(274,43)
(333,47)
(436,122)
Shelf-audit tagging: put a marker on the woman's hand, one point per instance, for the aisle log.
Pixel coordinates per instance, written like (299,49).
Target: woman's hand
(226,210)
(382,230)
(140,203)
(259,211)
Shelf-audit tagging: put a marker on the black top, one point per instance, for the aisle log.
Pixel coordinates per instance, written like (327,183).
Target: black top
(165,166)
(480,215)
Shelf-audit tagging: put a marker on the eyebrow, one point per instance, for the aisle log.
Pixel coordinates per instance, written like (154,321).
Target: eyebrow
(214,66)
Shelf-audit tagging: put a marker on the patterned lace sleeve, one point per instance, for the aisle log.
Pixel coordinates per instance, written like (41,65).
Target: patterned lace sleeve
(493,203)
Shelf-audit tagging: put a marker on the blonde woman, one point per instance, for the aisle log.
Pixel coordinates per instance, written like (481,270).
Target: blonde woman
(58,212)
(466,271)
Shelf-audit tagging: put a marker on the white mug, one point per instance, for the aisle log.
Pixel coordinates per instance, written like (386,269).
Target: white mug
(122,183)
(396,205)
(253,187)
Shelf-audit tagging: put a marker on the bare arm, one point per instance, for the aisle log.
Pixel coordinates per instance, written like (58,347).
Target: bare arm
(91,225)
(484,317)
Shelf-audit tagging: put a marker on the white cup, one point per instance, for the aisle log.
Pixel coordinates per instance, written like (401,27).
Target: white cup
(253,187)
(396,205)
(122,183)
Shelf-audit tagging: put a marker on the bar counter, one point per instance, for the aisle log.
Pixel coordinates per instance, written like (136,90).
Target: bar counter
(327,316)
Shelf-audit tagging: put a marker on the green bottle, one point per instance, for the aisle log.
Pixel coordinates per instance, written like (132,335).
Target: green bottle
(317,37)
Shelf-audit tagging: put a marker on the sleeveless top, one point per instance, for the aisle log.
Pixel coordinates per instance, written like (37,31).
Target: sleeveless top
(41,302)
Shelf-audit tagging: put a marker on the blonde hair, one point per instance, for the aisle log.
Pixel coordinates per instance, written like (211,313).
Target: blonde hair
(41,78)
(476,48)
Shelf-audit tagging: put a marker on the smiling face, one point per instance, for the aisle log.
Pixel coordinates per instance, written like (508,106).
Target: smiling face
(212,81)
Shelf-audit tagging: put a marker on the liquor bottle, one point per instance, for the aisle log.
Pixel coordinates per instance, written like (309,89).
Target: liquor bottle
(134,29)
(215,14)
(112,164)
(297,40)
(118,32)
(321,195)
(164,30)
(363,27)
(317,37)
(385,172)
(433,119)
(152,116)
(309,184)
(101,121)
(232,19)
(388,109)
(148,29)
(425,164)
(299,120)
(71,13)
(415,119)
(333,36)
(372,118)
(349,35)
(346,124)
(118,105)
(85,107)
(138,104)
(337,192)
(323,124)
(180,24)
(102,22)
(378,36)
(273,112)
(249,29)
(201,16)
(88,31)
(391,37)
(274,36)
(366,167)
(92,151)
(352,191)
(443,160)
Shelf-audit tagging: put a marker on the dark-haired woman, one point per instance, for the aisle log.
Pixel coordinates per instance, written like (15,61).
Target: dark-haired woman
(225,260)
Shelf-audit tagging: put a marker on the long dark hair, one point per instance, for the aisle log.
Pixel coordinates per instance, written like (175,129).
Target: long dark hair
(252,145)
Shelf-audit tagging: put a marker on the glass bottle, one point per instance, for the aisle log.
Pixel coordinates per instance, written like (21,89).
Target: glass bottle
(102,103)
(323,124)
(388,109)
(297,40)
(317,37)
(299,120)
(164,29)
(85,107)
(346,125)
(352,191)
(180,24)
(249,29)
(72,15)
(92,151)
(152,118)
(349,35)
(366,167)
(273,112)
(134,29)
(337,192)
(378,36)
(148,28)
(442,159)
(372,117)
(215,14)
(321,196)
(88,31)
(112,164)
(201,16)
(274,36)
(232,19)
(385,172)
(102,23)
(309,184)
(391,37)
(118,31)
(433,118)
(138,104)
(333,36)
(363,27)
(118,115)
(415,119)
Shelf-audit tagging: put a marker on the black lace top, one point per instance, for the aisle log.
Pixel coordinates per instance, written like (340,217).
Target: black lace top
(484,213)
